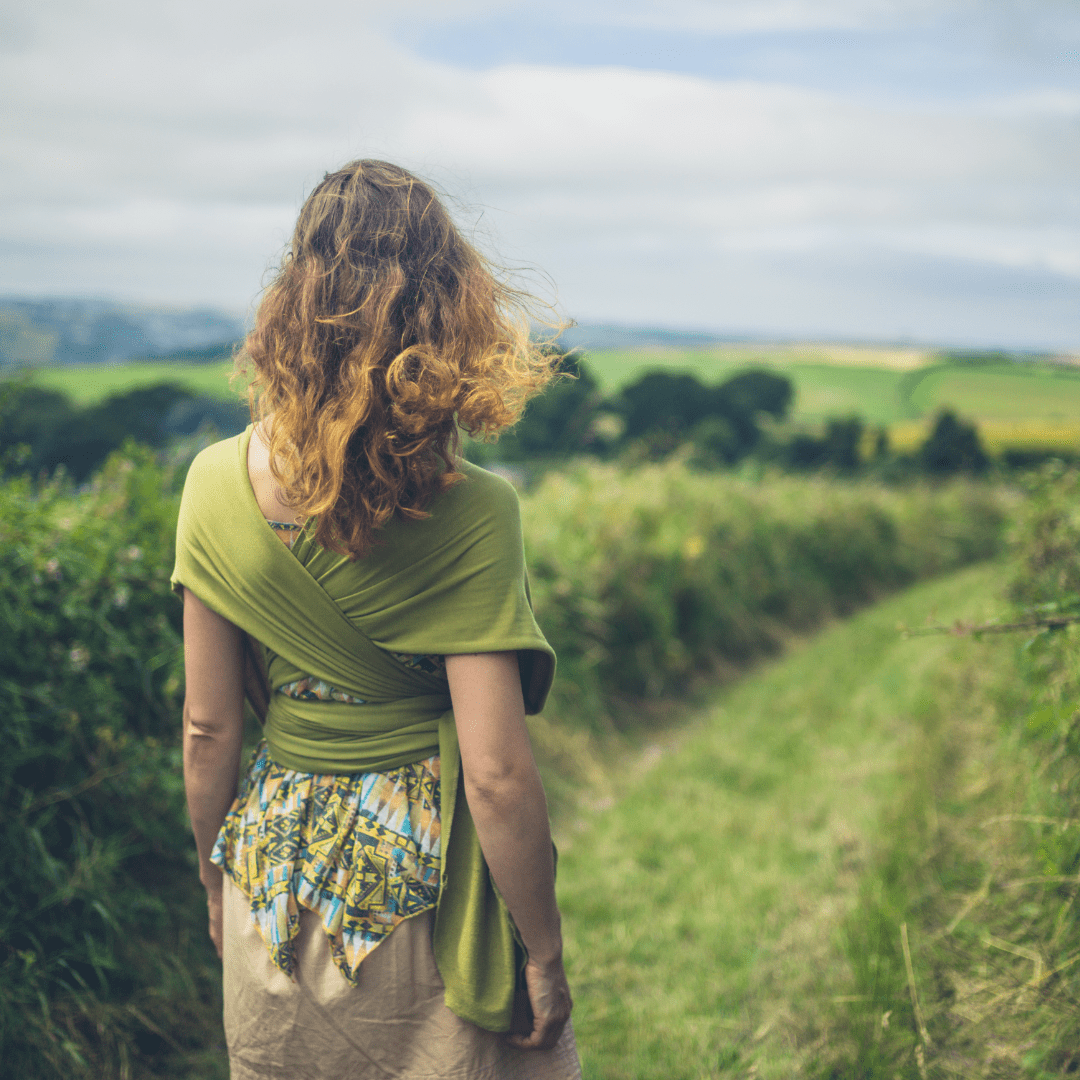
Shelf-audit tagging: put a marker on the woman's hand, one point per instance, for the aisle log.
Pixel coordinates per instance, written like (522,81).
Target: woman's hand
(214,893)
(549,996)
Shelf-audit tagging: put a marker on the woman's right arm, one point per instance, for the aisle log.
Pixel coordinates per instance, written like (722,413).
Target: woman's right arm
(508,807)
(213,733)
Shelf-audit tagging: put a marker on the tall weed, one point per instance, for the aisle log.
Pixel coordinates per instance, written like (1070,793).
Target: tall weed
(983,863)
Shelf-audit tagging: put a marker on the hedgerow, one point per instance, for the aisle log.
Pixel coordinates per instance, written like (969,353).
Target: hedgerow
(646,578)
(104,966)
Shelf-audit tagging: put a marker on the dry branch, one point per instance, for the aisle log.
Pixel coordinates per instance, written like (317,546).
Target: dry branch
(966,629)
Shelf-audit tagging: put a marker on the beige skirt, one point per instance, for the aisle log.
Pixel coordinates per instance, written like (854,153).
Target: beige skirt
(393,1025)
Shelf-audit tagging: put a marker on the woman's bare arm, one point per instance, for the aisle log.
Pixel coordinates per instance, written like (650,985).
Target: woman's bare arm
(213,733)
(508,807)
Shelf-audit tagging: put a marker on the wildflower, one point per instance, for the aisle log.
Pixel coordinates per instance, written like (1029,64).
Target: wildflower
(693,546)
(52,570)
(79,658)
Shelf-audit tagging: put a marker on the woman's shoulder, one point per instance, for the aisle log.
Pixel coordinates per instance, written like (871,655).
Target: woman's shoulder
(479,508)
(485,484)
(214,485)
(481,495)
(213,460)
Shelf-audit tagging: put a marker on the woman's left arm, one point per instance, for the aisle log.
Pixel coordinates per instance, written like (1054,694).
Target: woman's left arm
(213,733)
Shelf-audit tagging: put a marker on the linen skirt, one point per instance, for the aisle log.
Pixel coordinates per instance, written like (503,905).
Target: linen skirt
(393,1026)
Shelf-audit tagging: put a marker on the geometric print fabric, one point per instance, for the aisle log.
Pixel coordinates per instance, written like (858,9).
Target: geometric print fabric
(362,851)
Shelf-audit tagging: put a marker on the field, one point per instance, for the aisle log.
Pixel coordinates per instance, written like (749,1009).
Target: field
(829,380)
(774,846)
(1022,405)
(88,384)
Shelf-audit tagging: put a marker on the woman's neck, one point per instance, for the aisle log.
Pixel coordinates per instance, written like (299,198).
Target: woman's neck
(268,492)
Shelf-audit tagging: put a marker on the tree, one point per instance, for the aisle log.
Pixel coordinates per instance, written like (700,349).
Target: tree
(953,446)
(35,418)
(758,391)
(838,448)
(843,438)
(722,421)
(661,401)
(57,433)
(94,433)
(557,422)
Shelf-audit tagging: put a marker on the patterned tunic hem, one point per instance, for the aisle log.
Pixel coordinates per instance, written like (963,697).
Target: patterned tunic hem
(362,851)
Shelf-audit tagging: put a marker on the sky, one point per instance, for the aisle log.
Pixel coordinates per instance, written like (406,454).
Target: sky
(874,170)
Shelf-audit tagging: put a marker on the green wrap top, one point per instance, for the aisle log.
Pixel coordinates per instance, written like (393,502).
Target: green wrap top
(454,582)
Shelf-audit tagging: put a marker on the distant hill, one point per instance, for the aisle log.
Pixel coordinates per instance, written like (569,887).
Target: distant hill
(611,336)
(51,333)
(48,333)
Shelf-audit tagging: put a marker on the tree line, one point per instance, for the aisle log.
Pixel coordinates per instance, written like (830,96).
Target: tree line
(42,429)
(660,413)
(720,425)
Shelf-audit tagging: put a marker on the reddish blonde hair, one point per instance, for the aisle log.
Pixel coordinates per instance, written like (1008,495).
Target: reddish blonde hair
(382,333)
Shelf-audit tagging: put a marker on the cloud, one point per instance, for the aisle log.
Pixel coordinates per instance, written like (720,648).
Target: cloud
(149,136)
(743,16)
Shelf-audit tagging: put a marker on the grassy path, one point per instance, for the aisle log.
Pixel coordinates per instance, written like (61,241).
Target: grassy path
(702,908)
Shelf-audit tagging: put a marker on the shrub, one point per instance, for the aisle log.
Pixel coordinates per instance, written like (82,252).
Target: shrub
(1047,541)
(105,969)
(642,579)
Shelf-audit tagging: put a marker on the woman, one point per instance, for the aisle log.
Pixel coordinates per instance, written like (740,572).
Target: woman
(381,889)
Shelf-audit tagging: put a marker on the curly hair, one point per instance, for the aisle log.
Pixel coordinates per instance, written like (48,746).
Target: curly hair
(383,332)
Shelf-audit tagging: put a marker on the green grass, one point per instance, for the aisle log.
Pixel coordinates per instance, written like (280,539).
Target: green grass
(704,908)
(89,383)
(1008,392)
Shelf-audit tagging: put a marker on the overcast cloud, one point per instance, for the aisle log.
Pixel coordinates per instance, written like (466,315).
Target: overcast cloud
(839,168)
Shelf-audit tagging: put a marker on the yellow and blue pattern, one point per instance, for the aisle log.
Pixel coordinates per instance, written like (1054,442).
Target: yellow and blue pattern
(362,851)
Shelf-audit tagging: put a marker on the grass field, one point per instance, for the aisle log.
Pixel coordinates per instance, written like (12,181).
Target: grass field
(88,384)
(829,381)
(1022,405)
(704,905)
